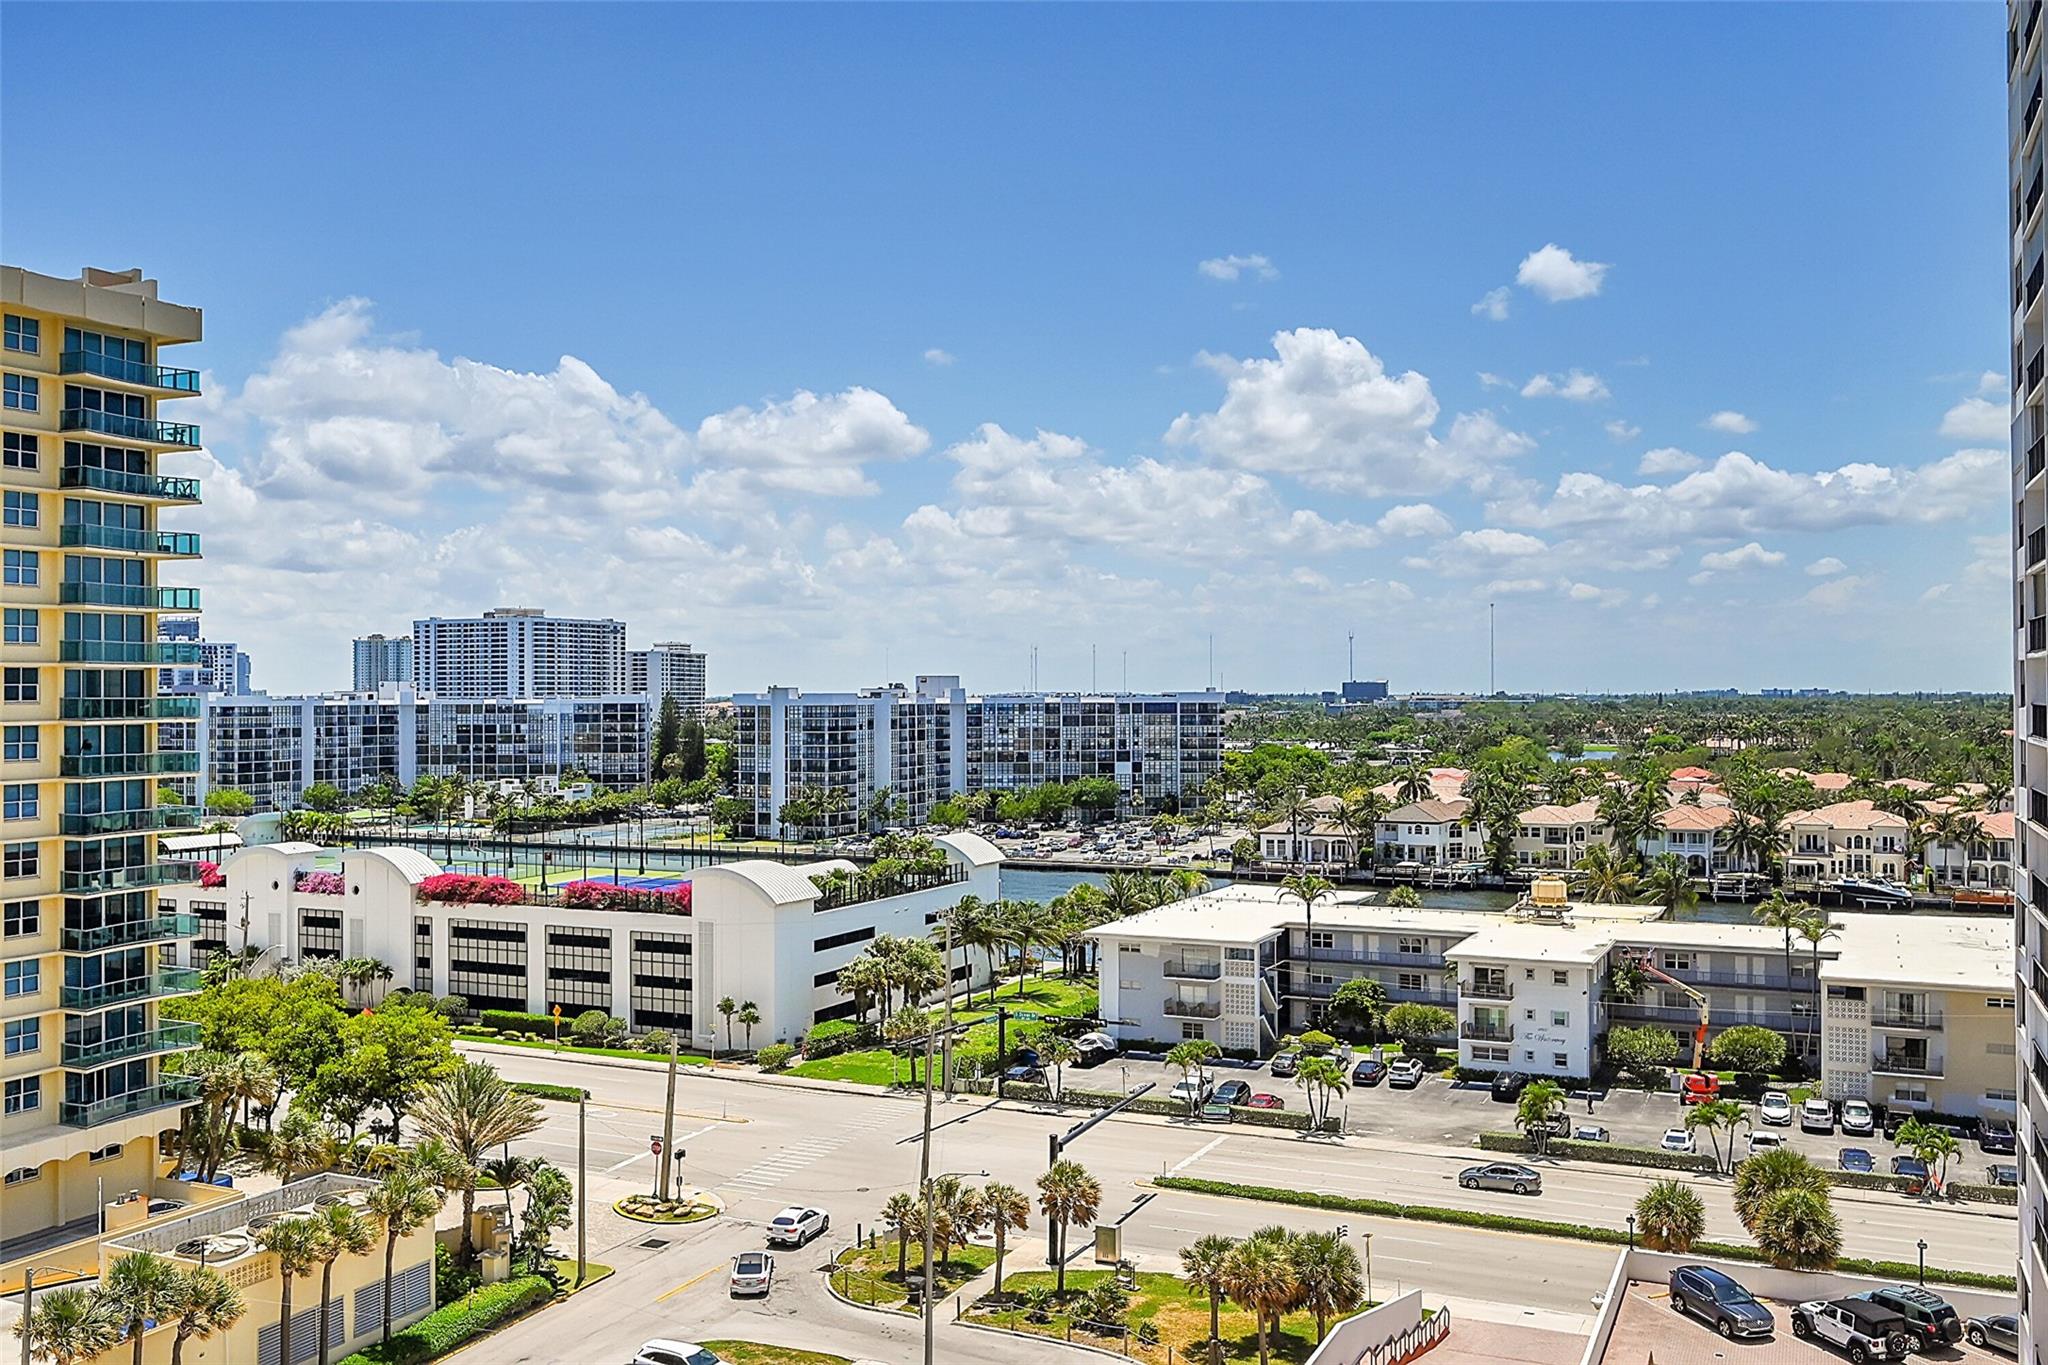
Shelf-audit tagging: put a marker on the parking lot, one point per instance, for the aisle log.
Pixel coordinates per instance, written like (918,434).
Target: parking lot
(1647,1329)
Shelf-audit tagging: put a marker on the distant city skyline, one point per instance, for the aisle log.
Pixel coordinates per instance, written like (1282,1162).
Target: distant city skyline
(829,363)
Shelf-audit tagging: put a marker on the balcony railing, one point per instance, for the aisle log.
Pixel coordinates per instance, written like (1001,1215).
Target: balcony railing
(2037,547)
(1905,1064)
(107,881)
(163,1038)
(1482,988)
(176,544)
(170,1091)
(2037,634)
(1193,971)
(1191,1009)
(130,708)
(129,371)
(1923,1021)
(157,487)
(2037,458)
(128,652)
(128,765)
(128,595)
(181,434)
(1781,1021)
(131,821)
(154,929)
(1487,1033)
(1422,962)
(170,981)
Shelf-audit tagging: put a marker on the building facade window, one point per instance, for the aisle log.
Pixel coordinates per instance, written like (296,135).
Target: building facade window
(20,450)
(20,801)
(661,976)
(23,1036)
(21,392)
(21,626)
(21,568)
(22,334)
(841,940)
(423,954)
(487,963)
(20,509)
(579,966)
(19,919)
(20,743)
(23,1094)
(320,935)
(20,860)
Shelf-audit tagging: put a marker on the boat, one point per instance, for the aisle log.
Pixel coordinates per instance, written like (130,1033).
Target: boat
(1739,886)
(1873,891)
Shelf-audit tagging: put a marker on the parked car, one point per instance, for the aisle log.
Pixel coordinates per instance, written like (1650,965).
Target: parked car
(1188,1090)
(1911,1168)
(1765,1142)
(1406,1073)
(1699,1088)
(753,1272)
(1816,1116)
(1775,1108)
(1928,1315)
(796,1225)
(2001,1174)
(1509,1085)
(1708,1294)
(1286,1064)
(1863,1330)
(1857,1118)
(1262,1100)
(1369,1071)
(1590,1132)
(2000,1331)
(1502,1175)
(664,1352)
(1678,1140)
(1024,1073)
(1092,1049)
(1232,1092)
(1995,1135)
(1856,1159)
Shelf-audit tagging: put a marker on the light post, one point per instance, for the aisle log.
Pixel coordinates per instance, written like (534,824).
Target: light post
(28,1293)
(1631,1232)
(1923,1262)
(925,1291)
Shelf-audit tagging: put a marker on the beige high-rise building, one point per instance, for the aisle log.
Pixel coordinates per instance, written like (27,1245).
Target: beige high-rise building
(88,959)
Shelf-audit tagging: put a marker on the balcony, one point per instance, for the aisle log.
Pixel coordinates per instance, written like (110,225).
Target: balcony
(1780,1021)
(128,652)
(1922,1022)
(142,878)
(181,435)
(155,929)
(1486,1033)
(163,1038)
(2037,547)
(1421,962)
(2037,634)
(1190,1009)
(2037,458)
(176,545)
(155,487)
(1905,1064)
(2037,368)
(179,762)
(129,708)
(1190,969)
(128,595)
(131,821)
(1486,988)
(137,372)
(170,981)
(172,1090)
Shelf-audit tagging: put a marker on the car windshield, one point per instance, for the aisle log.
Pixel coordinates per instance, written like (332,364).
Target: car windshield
(1724,1289)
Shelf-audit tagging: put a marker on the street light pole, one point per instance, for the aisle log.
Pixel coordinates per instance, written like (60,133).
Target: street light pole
(1923,1263)
(924,1185)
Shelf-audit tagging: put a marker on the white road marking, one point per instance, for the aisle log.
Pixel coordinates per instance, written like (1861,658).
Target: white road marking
(637,1156)
(1195,1156)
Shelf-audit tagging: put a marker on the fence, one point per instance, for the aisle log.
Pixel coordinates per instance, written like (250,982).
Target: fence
(1389,1334)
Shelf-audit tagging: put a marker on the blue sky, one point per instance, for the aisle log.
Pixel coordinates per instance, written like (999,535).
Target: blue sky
(839,338)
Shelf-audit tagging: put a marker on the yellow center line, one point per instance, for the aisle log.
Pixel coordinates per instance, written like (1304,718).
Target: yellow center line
(694,1279)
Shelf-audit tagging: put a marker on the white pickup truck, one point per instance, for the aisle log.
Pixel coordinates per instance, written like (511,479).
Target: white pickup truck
(1860,1329)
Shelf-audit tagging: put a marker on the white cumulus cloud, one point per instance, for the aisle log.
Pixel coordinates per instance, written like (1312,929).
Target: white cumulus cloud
(1750,556)
(1577,385)
(1667,460)
(1492,305)
(1827,566)
(1622,430)
(1731,421)
(935,356)
(1229,268)
(1977,419)
(1553,273)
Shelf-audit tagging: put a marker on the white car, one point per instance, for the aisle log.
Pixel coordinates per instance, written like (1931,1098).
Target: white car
(1678,1140)
(1765,1142)
(664,1352)
(1817,1116)
(753,1272)
(1190,1091)
(1775,1107)
(1857,1120)
(796,1225)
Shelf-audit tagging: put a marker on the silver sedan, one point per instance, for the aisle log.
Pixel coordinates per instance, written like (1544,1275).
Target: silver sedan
(1502,1175)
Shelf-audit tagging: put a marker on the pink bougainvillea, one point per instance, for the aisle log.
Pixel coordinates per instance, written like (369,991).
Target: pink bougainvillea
(320,883)
(596,895)
(464,888)
(210,875)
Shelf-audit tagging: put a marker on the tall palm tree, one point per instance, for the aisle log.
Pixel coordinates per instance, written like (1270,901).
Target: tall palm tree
(1261,1281)
(343,1232)
(1308,888)
(69,1325)
(1414,784)
(1360,817)
(1068,1197)
(1605,876)
(1779,911)
(1671,1217)
(900,1216)
(1539,1102)
(201,1303)
(1329,1281)
(473,1109)
(749,1016)
(1323,1079)
(138,1287)
(1205,1265)
(508,1173)
(728,1007)
(973,926)
(1746,839)
(1005,1207)
(1667,883)
(298,1245)
(298,1145)
(1814,931)
(407,1200)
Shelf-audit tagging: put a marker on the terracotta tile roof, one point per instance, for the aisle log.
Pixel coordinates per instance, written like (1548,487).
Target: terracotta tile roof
(1696,817)
(1848,815)
(1830,782)
(1691,775)
(1578,813)
(1996,824)
(1432,812)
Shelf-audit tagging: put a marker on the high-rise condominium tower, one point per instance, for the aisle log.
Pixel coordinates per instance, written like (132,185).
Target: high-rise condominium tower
(381,659)
(519,652)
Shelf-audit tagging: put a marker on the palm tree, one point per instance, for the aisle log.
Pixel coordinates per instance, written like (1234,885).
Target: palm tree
(1717,1117)
(200,1304)
(1935,1147)
(298,1145)
(1205,1265)
(1068,1197)
(1324,1079)
(343,1232)
(508,1173)
(137,1288)
(1797,1230)
(1769,1173)
(1671,1217)
(900,1215)
(1746,839)
(69,1325)
(1192,1056)
(1607,879)
(749,1015)
(1307,888)
(975,927)
(1262,1282)
(728,1007)
(252,1082)
(1814,931)
(1668,883)
(1781,912)
(1328,1279)
(407,1200)
(1004,1207)
(473,1109)
(1414,784)
(1359,815)
(1057,1052)
(1539,1102)
(298,1243)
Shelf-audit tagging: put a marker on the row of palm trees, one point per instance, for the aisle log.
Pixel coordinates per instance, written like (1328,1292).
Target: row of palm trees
(1782,1198)
(1272,1273)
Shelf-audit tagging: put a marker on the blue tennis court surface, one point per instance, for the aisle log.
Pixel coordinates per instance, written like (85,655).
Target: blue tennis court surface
(627,880)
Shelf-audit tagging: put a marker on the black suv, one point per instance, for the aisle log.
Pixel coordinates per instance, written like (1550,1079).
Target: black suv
(1509,1085)
(1927,1316)
(1995,1135)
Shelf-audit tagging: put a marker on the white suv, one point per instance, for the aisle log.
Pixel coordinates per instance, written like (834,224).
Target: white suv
(796,1225)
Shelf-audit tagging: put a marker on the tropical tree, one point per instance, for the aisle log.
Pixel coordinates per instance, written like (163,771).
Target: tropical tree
(1260,1279)
(1797,1230)
(548,1196)
(508,1173)
(1668,884)
(728,1007)
(749,1015)
(1417,1025)
(1641,1051)
(201,1303)
(138,1288)
(1769,1173)
(900,1215)
(1057,1052)
(1671,1217)
(1718,1117)
(1747,839)
(1004,1207)
(1404,898)
(298,1244)
(901,1029)
(1193,1057)
(1936,1148)
(1328,1279)
(343,1232)
(473,1109)
(1361,1003)
(1750,1048)
(1205,1266)
(300,1144)
(1069,1197)
(1779,911)
(975,927)
(69,1325)
(1309,889)
(407,1198)
(1539,1102)
(1814,931)
(1605,876)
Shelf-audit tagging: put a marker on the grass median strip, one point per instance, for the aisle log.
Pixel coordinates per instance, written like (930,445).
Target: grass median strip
(1543,1227)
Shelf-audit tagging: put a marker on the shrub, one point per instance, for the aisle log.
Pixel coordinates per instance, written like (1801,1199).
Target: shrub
(320,883)
(1315,1041)
(211,876)
(595,1028)
(463,888)
(451,1279)
(517,1021)
(655,1040)
(1748,1048)
(775,1056)
(1654,1157)
(831,1038)
(451,1006)
(542,1090)
(472,1315)
(597,895)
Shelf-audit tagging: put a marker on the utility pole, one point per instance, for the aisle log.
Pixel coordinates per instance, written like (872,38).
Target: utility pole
(582,1182)
(949,1009)
(668,1125)
(924,1185)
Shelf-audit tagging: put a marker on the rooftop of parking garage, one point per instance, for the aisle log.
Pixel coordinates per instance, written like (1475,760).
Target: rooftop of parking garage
(1928,952)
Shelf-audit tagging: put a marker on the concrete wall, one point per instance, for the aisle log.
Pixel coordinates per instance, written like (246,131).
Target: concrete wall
(1797,1286)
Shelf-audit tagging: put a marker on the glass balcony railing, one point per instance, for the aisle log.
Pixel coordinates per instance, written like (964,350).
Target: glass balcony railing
(141,878)
(127,765)
(182,434)
(129,708)
(164,1038)
(134,540)
(172,1090)
(155,929)
(127,652)
(157,487)
(128,595)
(170,981)
(129,371)
(131,821)
(177,544)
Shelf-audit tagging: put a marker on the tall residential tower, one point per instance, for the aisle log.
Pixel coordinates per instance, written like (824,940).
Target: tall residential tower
(87,956)
(519,652)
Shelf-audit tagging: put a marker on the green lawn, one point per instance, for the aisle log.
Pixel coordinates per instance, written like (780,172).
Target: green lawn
(873,1066)
(876,1066)
(757,1353)
(1181,1318)
(683,1059)
(868,1274)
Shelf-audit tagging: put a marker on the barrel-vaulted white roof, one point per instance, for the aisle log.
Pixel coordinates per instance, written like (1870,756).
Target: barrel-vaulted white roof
(970,848)
(779,882)
(409,863)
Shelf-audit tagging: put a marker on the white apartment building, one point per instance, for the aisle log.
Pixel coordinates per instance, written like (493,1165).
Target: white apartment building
(758,931)
(1846,839)
(221,665)
(379,659)
(671,669)
(519,652)
(1157,747)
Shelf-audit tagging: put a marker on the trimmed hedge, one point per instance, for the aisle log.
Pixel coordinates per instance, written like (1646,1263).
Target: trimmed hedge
(1655,1157)
(543,1091)
(1871,1180)
(832,1037)
(517,1021)
(1543,1227)
(444,1329)
(1984,1194)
